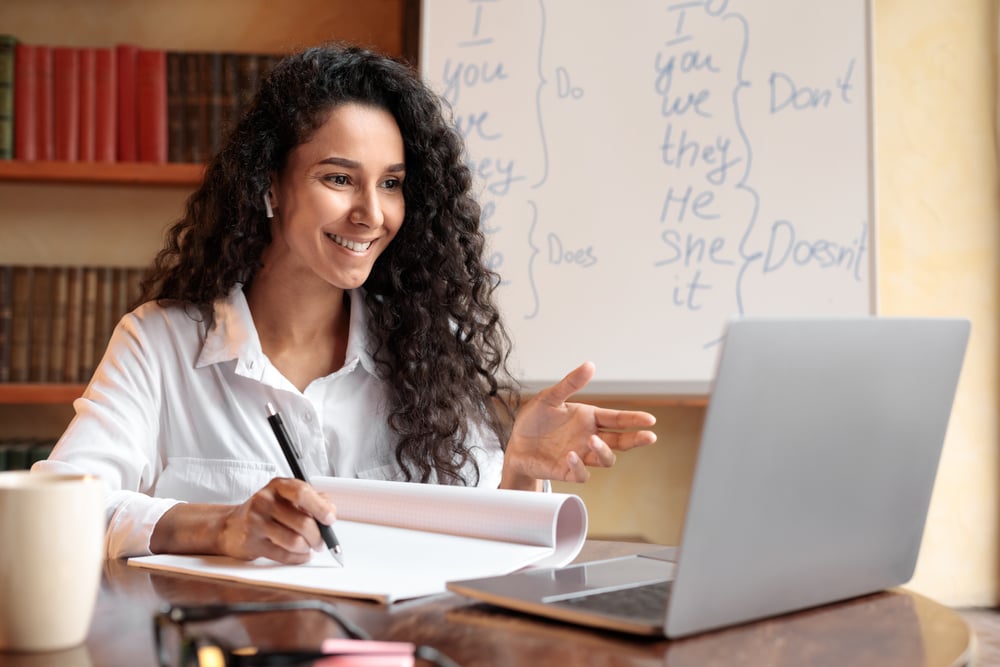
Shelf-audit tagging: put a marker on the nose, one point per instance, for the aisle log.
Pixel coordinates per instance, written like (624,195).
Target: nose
(367,209)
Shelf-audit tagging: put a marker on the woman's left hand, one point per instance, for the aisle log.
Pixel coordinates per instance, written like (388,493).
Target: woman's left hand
(553,439)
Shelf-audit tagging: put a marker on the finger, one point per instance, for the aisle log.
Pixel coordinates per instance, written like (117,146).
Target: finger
(573,382)
(624,441)
(601,453)
(302,533)
(268,549)
(577,471)
(307,499)
(271,517)
(623,419)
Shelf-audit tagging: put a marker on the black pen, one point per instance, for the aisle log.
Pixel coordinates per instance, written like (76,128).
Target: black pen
(292,456)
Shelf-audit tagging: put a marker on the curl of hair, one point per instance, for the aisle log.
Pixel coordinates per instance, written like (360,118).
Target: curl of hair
(438,339)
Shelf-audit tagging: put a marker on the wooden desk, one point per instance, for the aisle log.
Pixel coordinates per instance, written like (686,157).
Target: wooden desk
(888,629)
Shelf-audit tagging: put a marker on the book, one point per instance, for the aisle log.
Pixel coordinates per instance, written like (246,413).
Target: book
(229,99)
(25,97)
(87,102)
(41,315)
(212,99)
(106,315)
(151,106)
(39,450)
(6,319)
(74,325)
(126,61)
(18,454)
(120,293)
(175,107)
(59,280)
(106,105)
(45,139)
(8,44)
(88,324)
(246,80)
(20,338)
(192,122)
(66,103)
(405,540)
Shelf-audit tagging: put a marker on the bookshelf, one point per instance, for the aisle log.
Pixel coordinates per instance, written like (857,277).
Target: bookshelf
(30,393)
(120,173)
(115,213)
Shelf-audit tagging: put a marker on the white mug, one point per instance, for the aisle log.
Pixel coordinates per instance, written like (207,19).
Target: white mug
(51,558)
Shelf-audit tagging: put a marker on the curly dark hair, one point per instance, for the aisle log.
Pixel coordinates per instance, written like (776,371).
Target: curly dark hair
(437,334)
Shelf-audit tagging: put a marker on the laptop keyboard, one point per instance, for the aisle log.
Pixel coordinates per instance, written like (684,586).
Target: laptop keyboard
(647,602)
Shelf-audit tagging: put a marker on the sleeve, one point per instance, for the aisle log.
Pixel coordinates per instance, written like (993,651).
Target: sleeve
(114,436)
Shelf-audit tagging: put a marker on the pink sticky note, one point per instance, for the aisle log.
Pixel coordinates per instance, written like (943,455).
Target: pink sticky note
(382,654)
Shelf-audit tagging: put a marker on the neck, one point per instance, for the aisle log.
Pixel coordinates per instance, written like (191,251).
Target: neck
(303,329)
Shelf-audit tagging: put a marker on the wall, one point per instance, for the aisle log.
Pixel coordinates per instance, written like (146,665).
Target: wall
(940,235)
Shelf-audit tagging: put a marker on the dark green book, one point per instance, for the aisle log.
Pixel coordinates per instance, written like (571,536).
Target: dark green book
(7,44)
(17,454)
(39,451)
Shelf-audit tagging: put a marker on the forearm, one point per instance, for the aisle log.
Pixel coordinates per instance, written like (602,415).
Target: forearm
(191,528)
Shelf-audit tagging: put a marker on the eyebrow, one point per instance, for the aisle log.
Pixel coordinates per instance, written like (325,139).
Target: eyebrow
(354,164)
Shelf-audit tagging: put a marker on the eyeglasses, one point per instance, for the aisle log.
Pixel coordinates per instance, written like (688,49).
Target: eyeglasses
(177,648)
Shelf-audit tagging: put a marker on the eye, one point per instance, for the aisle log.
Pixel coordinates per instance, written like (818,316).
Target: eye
(337,179)
(392,183)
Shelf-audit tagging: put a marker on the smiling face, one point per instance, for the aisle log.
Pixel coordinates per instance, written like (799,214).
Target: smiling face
(339,200)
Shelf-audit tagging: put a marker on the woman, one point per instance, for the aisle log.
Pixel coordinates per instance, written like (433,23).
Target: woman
(330,264)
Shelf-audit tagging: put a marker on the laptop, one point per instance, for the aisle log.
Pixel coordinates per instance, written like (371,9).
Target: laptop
(814,474)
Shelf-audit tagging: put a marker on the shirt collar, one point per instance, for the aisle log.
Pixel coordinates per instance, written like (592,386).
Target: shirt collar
(358,343)
(234,336)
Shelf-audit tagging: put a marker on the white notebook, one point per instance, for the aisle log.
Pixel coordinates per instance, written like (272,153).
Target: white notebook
(406,540)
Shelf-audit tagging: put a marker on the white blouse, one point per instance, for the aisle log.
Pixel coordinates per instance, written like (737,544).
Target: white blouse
(176,412)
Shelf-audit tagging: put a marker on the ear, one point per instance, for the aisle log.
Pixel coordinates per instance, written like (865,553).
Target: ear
(272,190)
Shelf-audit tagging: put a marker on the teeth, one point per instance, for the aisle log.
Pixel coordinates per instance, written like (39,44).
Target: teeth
(350,245)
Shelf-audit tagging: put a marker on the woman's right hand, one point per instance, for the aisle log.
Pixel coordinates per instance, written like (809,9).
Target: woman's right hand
(277,522)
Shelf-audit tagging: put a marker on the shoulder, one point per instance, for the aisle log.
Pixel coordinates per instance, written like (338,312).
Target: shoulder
(157,320)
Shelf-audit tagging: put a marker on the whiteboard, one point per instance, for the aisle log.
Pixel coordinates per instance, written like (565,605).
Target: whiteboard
(648,170)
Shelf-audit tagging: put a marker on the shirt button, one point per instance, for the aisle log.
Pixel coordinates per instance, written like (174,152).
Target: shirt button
(308,417)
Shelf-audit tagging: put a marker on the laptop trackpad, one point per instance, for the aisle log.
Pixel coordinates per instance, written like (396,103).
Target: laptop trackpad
(604,576)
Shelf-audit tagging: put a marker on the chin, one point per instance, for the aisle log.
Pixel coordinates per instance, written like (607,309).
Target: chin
(347,282)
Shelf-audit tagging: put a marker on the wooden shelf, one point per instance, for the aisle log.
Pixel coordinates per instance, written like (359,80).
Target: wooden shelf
(28,393)
(123,173)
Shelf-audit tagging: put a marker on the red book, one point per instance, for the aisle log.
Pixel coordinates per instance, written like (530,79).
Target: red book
(45,147)
(87,68)
(25,118)
(66,102)
(151,86)
(106,121)
(128,132)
